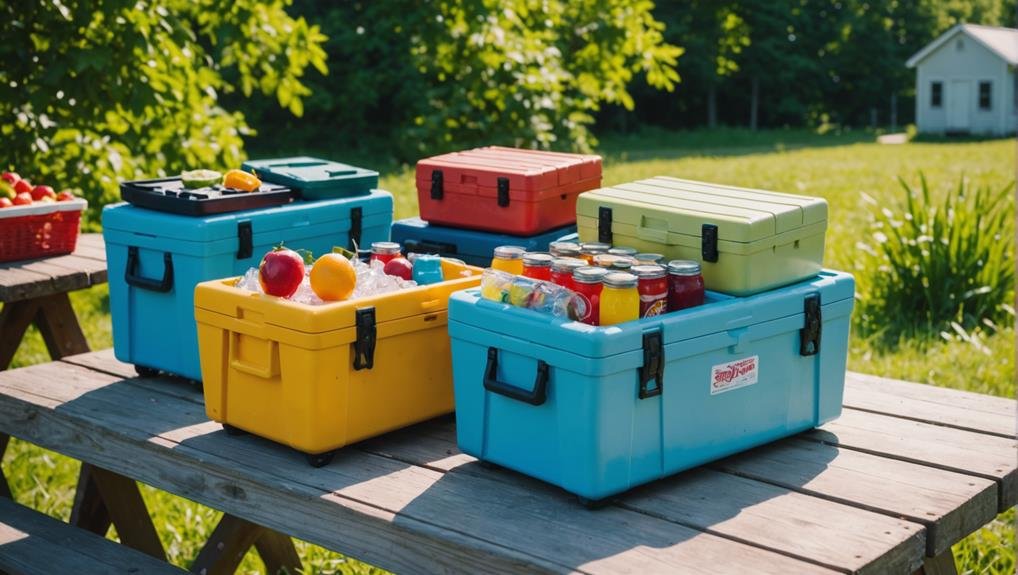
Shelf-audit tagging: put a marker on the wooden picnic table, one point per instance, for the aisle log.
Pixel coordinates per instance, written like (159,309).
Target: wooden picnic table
(35,291)
(905,472)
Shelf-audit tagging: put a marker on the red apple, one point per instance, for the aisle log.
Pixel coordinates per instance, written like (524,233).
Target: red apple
(23,186)
(281,272)
(23,199)
(400,267)
(5,202)
(10,177)
(65,196)
(40,192)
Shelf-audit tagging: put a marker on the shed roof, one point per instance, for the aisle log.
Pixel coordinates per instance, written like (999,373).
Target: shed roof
(1000,41)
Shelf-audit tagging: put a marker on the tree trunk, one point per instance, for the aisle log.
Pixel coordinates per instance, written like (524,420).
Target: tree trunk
(873,118)
(754,103)
(712,106)
(894,112)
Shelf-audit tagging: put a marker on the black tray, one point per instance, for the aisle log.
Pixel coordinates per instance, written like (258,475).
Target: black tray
(170,195)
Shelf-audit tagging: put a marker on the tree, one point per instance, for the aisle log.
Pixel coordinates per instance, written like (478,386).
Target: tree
(103,91)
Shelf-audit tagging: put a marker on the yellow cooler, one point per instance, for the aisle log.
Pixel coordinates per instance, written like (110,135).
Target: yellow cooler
(318,377)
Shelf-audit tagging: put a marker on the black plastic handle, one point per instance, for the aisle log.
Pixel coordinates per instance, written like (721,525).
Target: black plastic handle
(537,396)
(133,279)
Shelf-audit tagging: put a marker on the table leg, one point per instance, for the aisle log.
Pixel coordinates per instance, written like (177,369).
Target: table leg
(942,564)
(122,501)
(59,326)
(5,488)
(230,541)
(89,512)
(14,320)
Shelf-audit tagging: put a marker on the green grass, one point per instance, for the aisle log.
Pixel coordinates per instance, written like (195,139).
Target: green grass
(836,166)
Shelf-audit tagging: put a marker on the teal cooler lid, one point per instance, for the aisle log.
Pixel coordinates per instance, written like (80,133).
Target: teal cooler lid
(314,178)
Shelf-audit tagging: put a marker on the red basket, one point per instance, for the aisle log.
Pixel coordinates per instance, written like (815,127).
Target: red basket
(35,231)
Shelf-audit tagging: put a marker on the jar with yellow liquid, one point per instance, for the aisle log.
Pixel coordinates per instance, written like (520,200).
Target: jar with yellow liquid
(620,298)
(508,259)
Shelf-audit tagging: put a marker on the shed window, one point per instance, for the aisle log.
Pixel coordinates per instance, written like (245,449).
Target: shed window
(985,91)
(936,94)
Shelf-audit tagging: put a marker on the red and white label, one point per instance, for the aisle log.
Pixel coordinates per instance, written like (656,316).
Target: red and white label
(734,374)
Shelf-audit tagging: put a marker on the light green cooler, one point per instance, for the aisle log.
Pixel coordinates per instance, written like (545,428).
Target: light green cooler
(747,241)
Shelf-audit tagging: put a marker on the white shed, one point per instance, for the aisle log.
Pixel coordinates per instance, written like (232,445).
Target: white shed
(965,81)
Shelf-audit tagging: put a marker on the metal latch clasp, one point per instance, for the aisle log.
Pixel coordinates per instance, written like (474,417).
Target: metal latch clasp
(653,368)
(809,335)
(364,346)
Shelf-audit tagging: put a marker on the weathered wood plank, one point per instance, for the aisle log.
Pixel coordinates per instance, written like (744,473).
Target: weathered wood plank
(128,512)
(5,488)
(813,529)
(33,543)
(932,404)
(59,326)
(399,516)
(61,279)
(14,320)
(102,360)
(277,552)
(956,450)
(18,284)
(226,547)
(942,564)
(950,505)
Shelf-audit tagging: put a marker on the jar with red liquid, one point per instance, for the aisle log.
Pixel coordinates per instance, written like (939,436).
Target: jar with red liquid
(562,271)
(384,251)
(685,284)
(653,288)
(537,265)
(587,283)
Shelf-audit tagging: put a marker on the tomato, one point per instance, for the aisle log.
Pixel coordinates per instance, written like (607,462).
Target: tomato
(23,186)
(281,272)
(40,192)
(10,177)
(23,199)
(400,267)
(65,196)
(5,202)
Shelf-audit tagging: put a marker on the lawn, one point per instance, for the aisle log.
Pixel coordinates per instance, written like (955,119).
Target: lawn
(837,166)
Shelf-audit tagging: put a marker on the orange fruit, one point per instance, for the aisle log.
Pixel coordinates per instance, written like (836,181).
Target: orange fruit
(240,180)
(333,277)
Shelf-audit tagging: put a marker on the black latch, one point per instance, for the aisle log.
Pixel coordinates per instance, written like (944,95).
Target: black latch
(355,228)
(245,240)
(653,368)
(709,242)
(604,225)
(809,335)
(364,347)
(503,192)
(429,247)
(437,187)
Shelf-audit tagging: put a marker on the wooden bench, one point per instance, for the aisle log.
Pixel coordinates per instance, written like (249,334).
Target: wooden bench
(31,542)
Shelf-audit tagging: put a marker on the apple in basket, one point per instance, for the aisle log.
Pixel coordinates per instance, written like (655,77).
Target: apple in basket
(281,272)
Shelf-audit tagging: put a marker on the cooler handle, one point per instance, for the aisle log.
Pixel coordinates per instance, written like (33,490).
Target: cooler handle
(537,396)
(264,372)
(133,279)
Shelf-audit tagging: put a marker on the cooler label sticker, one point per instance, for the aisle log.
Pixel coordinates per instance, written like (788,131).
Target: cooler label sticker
(734,374)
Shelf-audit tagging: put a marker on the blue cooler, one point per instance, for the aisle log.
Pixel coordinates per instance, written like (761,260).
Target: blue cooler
(598,410)
(156,258)
(472,246)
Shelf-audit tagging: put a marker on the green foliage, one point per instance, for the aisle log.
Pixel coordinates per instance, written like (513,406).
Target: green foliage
(941,266)
(100,92)
(422,77)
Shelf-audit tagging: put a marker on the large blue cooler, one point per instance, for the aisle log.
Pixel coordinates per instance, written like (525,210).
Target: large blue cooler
(155,259)
(472,246)
(598,410)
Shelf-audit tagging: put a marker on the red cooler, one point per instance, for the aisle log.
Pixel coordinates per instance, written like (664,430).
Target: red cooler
(505,190)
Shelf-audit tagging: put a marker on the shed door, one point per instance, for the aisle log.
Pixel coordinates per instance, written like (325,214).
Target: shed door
(958,105)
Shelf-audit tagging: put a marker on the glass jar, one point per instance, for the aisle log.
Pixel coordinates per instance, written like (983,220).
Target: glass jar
(685,284)
(562,270)
(648,259)
(564,249)
(653,289)
(587,283)
(590,249)
(384,251)
(508,259)
(622,251)
(620,299)
(537,265)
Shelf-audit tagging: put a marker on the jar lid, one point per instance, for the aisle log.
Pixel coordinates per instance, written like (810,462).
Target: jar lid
(537,259)
(595,247)
(684,268)
(622,263)
(510,252)
(384,248)
(648,271)
(622,251)
(649,258)
(604,260)
(620,280)
(567,264)
(564,248)
(589,275)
